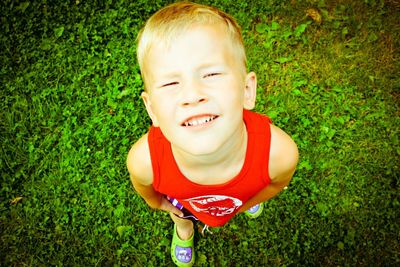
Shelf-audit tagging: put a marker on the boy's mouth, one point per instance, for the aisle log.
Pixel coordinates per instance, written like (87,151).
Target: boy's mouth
(198,120)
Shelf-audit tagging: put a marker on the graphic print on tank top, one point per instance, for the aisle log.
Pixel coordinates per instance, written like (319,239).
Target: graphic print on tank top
(215,205)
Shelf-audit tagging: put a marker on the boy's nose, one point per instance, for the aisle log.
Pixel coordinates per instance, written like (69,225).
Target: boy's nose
(193,95)
(193,101)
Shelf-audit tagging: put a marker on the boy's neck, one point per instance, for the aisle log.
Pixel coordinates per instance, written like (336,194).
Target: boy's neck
(216,168)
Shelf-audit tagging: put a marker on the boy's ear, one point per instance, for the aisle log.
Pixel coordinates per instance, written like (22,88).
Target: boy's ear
(250,91)
(147,103)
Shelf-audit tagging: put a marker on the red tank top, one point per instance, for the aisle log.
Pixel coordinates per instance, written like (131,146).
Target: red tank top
(214,205)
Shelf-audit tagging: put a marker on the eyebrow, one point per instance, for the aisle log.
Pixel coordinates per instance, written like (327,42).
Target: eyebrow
(207,65)
(211,65)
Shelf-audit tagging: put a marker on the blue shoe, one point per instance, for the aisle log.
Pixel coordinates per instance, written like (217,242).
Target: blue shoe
(255,211)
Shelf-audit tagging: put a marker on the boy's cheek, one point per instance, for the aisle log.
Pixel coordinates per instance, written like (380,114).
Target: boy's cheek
(149,108)
(154,120)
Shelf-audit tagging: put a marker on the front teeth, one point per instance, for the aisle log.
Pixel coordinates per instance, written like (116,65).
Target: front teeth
(199,121)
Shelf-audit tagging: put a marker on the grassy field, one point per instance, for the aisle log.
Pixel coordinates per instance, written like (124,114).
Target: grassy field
(70,88)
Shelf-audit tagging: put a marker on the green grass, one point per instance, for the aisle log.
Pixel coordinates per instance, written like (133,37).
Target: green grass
(70,110)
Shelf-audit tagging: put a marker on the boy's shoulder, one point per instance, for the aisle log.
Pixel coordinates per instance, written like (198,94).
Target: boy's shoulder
(283,155)
(139,162)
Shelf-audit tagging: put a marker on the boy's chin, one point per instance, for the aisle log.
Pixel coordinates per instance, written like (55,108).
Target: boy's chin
(199,149)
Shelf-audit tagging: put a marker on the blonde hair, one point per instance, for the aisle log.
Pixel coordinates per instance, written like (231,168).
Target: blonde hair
(167,23)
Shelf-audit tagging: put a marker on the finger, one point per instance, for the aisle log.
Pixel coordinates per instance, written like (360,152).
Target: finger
(175,211)
(167,206)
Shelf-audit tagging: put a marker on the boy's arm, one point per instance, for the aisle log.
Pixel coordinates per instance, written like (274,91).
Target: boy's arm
(141,174)
(282,165)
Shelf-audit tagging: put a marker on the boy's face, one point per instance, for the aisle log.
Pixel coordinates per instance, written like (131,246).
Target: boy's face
(196,90)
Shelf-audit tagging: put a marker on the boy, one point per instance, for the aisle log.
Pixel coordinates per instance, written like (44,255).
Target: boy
(206,157)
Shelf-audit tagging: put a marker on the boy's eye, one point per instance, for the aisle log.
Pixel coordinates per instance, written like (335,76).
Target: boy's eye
(211,74)
(169,84)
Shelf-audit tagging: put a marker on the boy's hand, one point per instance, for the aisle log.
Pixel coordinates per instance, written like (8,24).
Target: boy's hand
(167,206)
(154,199)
